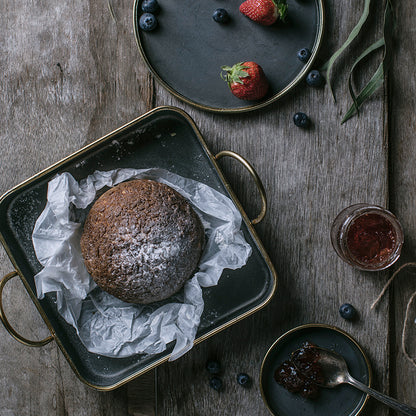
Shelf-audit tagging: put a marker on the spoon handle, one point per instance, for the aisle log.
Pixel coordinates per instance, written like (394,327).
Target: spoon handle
(389,401)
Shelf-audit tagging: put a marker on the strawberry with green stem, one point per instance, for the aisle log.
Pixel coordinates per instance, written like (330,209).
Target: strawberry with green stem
(264,12)
(246,80)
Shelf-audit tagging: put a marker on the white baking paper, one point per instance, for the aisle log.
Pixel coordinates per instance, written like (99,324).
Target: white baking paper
(105,324)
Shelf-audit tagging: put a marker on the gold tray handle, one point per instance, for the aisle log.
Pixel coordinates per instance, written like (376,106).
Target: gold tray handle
(6,323)
(255,176)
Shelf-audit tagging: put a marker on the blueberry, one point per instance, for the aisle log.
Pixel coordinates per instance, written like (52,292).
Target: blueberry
(150,6)
(221,16)
(304,54)
(301,120)
(215,383)
(243,379)
(213,367)
(148,22)
(347,311)
(315,78)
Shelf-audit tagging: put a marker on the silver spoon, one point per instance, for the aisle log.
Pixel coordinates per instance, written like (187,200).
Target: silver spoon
(335,372)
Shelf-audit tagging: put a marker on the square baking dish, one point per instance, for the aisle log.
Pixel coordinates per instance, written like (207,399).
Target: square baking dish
(165,137)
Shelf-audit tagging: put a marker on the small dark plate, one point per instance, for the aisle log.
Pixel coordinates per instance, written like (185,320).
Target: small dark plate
(186,51)
(344,400)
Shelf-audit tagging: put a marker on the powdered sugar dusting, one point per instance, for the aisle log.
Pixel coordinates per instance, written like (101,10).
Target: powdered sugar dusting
(136,257)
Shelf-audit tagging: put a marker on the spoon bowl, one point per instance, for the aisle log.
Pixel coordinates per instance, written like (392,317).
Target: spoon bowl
(332,366)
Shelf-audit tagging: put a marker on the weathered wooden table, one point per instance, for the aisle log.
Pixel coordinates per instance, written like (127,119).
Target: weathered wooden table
(71,73)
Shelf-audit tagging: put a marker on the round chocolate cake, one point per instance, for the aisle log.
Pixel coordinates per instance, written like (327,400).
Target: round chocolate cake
(141,241)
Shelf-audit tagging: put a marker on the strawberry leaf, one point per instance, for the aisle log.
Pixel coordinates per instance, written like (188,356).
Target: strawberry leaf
(235,73)
(282,9)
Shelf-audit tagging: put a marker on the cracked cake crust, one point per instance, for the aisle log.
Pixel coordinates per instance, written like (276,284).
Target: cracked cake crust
(141,241)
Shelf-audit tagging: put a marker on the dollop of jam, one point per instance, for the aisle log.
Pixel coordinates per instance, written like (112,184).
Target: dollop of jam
(371,239)
(302,373)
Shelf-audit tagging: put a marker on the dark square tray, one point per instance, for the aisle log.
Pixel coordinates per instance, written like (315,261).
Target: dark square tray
(167,138)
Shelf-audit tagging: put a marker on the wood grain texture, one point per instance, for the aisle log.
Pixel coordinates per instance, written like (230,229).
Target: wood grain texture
(309,177)
(72,73)
(141,395)
(402,93)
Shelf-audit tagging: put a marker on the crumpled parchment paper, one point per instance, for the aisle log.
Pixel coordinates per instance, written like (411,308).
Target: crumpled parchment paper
(105,324)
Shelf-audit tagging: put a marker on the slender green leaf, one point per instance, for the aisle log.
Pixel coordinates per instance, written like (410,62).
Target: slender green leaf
(375,82)
(327,67)
(389,25)
(377,79)
(111,10)
(376,45)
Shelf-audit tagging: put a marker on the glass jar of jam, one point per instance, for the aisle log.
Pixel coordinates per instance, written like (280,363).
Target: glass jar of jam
(368,237)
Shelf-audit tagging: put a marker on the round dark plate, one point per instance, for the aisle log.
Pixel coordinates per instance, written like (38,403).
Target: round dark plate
(343,400)
(187,49)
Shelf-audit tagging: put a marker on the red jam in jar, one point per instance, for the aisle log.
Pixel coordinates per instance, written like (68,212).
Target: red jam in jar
(367,236)
(371,239)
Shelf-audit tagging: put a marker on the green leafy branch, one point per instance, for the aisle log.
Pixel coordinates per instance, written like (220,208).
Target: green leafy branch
(377,79)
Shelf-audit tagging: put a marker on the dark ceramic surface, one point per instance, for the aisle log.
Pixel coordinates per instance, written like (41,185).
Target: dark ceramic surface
(158,139)
(343,400)
(188,48)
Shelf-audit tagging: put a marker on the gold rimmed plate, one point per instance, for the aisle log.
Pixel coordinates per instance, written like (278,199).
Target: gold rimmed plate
(344,400)
(187,49)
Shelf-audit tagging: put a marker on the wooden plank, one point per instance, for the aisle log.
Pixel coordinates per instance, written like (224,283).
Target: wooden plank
(309,177)
(141,395)
(70,74)
(403,198)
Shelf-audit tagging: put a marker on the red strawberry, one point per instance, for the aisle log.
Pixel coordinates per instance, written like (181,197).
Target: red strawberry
(264,12)
(246,80)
